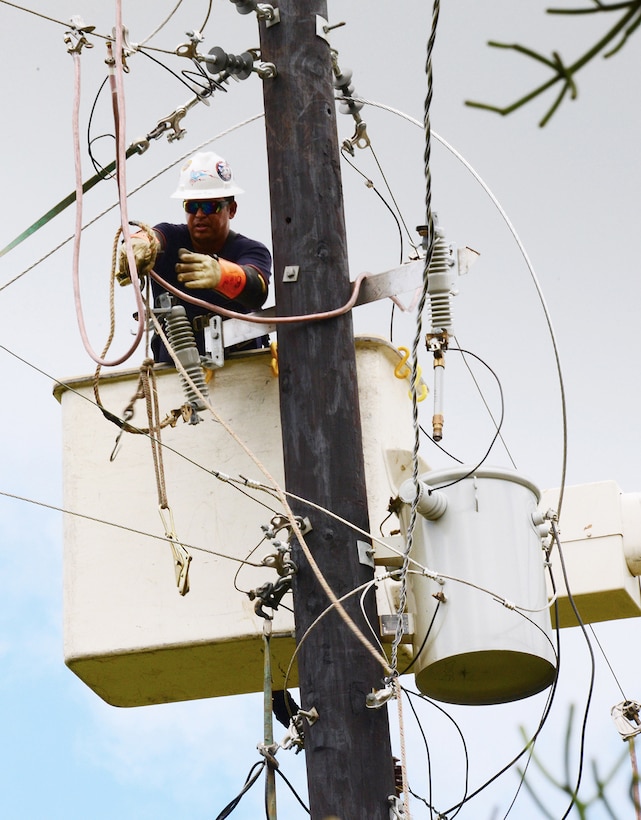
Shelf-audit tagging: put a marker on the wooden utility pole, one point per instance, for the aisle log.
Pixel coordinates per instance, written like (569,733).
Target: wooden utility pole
(348,753)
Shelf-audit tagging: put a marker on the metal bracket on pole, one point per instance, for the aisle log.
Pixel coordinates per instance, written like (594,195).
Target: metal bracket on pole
(214,342)
(365,554)
(405,278)
(323,27)
(397,809)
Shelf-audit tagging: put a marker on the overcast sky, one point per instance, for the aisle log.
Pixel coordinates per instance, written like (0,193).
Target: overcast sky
(571,192)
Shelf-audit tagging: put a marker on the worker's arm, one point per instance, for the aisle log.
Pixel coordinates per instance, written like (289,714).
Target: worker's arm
(244,284)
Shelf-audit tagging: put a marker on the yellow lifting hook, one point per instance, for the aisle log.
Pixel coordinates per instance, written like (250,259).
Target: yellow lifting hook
(402,371)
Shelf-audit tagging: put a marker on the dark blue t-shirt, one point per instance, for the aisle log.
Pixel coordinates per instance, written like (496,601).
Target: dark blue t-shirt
(237,248)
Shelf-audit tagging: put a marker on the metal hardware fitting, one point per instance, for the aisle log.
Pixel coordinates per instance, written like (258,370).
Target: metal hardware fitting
(626,718)
(389,624)
(182,558)
(172,122)
(295,735)
(323,27)
(264,11)
(75,38)
(214,342)
(379,697)
(290,274)
(365,554)
(397,809)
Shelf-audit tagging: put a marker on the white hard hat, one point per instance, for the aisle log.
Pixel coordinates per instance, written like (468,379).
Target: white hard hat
(206,176)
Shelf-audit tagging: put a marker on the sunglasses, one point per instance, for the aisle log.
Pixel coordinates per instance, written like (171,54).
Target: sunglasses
(207,206)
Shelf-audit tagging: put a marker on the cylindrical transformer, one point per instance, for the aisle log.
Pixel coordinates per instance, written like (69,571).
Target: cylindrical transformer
(470,647)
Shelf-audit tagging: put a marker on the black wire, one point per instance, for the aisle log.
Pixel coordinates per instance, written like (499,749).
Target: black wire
(172,72)
(592,669)
(409,692)
(498,427)
(98,168)
(427,754)
(293,791)
(373,187)
(422,647)
(530,744)
(249,782)
(436,444)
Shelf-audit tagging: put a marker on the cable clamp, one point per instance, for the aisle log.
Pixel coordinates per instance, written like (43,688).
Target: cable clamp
(182,558)
(379,697)
(269,595)
(75,38)
(626,718)
(269,752)
(190,49)
(295,735)
(127,49)
(172,122)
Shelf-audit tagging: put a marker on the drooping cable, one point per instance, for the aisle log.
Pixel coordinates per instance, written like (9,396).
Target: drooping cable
(76,249)
(266,320)
(252,777)
(480,392)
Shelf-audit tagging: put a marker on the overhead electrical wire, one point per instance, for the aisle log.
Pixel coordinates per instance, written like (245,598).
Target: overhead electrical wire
(123,527)
(107,170)
(141,186)
(446,714)
(161,25)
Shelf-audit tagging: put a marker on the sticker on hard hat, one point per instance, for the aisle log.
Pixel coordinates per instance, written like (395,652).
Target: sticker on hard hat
(224,171)
(199,176)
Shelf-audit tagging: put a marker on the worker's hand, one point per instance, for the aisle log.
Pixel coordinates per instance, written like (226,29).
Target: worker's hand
(143,254)
(197,270)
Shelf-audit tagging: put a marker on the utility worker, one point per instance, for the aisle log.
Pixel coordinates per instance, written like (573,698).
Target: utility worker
(205,258)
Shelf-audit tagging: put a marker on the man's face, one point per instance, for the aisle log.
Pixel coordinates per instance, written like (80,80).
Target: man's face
(209,231)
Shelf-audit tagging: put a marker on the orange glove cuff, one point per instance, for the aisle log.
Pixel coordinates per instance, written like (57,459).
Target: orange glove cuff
(232,279)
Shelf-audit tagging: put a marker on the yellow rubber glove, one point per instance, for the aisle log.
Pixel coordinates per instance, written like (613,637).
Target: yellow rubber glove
(143,254)
(199,271)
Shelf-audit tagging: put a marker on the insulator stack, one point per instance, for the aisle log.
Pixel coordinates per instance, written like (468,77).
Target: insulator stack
(439,285)
(343,83)
(238,65)
(181,338)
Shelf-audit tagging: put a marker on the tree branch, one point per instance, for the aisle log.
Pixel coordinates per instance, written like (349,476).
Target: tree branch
(563,74)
